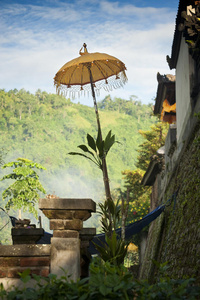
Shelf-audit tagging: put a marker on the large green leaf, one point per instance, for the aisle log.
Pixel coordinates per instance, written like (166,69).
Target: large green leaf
(98,140)
(101,150)
(108,137)
(81,154)
(85,149)
(91,142)
(109,141)
(113,250)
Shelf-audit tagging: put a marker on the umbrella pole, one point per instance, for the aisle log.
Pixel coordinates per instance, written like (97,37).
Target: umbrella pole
(104,165)
(95,104)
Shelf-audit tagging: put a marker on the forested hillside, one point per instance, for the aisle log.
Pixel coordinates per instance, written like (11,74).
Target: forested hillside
(46,127)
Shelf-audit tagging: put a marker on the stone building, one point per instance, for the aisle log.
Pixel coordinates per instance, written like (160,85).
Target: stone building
(175,235)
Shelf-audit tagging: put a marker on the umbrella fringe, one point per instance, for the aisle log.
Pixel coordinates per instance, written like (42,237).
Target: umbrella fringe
(108,85)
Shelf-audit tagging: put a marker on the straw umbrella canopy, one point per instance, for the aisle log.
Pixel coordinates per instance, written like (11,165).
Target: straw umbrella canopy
(89,73)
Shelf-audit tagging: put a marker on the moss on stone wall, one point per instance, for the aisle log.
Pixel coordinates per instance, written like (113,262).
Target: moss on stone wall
(154,240)
(175,236)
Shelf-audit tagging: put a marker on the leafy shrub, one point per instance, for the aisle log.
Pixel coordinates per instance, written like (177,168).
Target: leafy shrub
(114,250)
(106,281)
(24,191)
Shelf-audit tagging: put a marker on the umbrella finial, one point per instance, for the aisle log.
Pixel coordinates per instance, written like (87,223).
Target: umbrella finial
(85,49)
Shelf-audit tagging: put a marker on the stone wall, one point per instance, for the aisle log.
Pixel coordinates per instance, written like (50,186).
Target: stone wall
(18,258)
(175,236)
(69,245)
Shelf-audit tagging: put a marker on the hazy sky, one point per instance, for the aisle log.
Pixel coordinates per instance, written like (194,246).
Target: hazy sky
(38,37)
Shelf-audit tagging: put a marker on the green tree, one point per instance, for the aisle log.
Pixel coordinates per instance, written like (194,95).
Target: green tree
(133,182)
(24,192)
(139,203)
(2,155)
(139,195)
(154,139)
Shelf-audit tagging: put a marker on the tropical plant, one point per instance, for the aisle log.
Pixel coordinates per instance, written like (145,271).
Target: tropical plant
(114,249)
(97,149)
(24,192)
(114,209)
(109,281)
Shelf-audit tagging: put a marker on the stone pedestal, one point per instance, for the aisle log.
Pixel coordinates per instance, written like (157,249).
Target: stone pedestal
(26,235)
(66,220)
(65,255)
